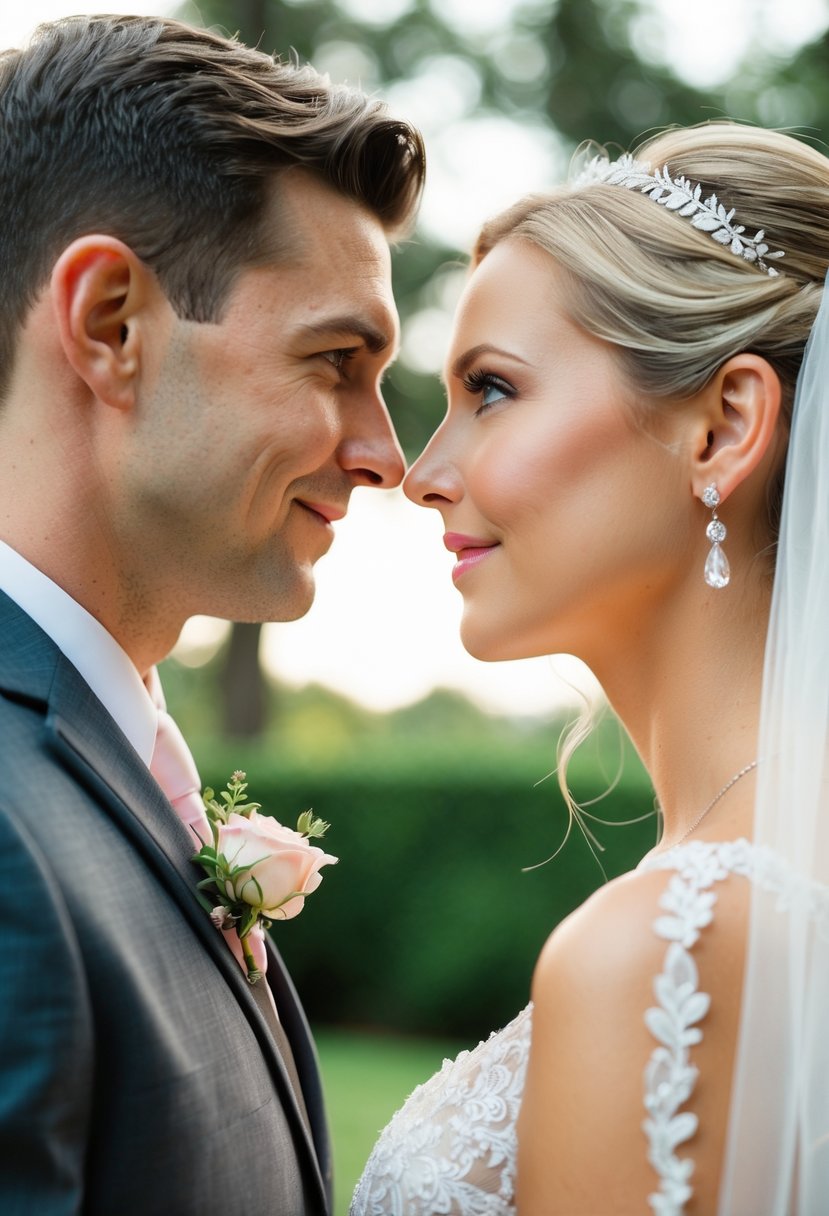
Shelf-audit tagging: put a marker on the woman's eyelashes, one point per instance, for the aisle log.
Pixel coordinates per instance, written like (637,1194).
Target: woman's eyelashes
(491,389)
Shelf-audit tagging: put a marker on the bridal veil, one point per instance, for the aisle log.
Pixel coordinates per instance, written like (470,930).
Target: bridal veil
(777,1158)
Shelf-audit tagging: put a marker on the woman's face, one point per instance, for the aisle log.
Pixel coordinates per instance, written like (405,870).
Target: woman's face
(566,516)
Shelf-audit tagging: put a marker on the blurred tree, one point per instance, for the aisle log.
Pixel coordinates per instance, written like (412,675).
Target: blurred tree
(791,92)
(600,88)
(252,18)
(242,681)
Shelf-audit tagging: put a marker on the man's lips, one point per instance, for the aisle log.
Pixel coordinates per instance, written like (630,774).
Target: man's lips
(470,550)
(328,512)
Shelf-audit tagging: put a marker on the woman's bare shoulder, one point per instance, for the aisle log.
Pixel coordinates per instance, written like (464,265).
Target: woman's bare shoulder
(626,905)
(613,934)
(581,1137)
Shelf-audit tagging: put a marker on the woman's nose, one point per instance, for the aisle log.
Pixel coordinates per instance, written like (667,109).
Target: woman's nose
(434,478)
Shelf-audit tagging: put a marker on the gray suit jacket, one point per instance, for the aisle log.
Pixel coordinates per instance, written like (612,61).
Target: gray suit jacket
(138,1075)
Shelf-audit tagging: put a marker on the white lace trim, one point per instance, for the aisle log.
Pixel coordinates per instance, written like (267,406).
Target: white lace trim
(451,1149)
(669,1075)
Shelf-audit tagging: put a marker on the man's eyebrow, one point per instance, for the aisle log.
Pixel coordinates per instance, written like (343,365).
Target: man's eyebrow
(464,361)
(375,339)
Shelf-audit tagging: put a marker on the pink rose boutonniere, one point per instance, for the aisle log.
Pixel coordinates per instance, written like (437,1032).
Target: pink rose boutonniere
(257,870)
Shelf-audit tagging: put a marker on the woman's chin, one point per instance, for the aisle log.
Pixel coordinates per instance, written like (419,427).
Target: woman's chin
(492,645)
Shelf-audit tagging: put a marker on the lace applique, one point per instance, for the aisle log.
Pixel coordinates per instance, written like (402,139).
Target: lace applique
(669,1076)
(451,1149)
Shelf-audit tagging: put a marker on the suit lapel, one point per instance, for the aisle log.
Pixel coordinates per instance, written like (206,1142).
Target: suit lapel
(302,1045)
(85,738)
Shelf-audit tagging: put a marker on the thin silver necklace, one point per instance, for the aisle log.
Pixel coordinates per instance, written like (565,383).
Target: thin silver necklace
(731,781)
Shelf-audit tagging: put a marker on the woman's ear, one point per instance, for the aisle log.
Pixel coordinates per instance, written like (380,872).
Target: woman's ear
(99,288)
(735,424)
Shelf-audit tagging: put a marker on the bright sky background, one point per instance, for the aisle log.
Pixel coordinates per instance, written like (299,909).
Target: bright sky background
(384,626)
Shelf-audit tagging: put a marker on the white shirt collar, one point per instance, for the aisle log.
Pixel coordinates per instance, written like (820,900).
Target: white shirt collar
(106,667)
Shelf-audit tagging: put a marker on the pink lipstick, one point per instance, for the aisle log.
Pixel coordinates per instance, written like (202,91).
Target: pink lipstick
(470,551)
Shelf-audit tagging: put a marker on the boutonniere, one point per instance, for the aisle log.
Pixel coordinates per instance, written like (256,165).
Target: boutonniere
(257,870)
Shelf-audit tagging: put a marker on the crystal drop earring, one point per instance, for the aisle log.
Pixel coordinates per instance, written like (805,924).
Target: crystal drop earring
(717,570)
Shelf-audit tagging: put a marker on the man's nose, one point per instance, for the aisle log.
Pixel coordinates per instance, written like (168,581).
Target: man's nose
(370,450)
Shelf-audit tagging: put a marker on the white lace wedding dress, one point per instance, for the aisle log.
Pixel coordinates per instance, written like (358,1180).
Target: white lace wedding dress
(451,1149)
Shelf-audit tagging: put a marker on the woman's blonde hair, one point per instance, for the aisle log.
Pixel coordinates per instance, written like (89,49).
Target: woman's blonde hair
(673,302)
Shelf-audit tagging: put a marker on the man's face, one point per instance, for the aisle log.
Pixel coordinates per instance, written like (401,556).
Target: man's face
(251,433)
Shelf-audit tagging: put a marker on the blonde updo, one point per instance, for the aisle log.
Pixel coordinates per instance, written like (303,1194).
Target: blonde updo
(673,301)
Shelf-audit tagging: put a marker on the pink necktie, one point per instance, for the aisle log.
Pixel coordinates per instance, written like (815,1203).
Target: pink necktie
(174,769)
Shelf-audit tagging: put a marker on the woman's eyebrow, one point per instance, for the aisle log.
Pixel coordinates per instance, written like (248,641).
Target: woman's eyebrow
(464,361)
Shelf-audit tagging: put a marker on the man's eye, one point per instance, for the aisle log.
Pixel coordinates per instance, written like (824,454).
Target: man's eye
(338,358)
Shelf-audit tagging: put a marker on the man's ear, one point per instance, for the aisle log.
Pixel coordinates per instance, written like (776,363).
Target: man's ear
(735,423)
(99,288)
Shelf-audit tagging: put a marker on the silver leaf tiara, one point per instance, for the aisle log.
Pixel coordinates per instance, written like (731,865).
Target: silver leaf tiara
(685,199)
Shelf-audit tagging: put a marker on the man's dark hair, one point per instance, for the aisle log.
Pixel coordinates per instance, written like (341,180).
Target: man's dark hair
(168,138)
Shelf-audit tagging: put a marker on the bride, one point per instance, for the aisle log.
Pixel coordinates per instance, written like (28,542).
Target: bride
(624,377)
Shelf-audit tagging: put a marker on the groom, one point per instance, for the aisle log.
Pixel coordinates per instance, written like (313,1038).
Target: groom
(194,316)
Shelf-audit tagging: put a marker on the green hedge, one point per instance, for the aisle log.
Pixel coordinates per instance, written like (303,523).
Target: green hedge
(429,923)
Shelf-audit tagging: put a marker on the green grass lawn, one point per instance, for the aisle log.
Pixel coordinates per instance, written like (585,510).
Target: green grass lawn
(366,1078)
